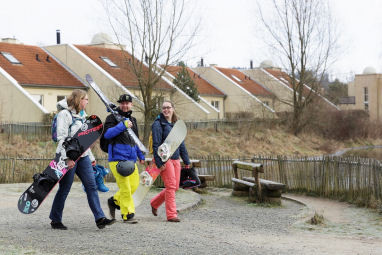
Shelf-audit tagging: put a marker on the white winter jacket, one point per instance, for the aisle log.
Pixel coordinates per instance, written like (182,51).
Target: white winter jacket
(64,120)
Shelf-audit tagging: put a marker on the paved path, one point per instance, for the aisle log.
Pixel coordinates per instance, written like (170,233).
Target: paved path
(220,225)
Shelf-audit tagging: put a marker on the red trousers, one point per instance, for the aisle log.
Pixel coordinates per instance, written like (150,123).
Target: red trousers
(171,177)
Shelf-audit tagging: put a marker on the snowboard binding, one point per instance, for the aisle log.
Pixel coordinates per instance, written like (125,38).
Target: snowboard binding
(44,181)
(73,148)
(164,152)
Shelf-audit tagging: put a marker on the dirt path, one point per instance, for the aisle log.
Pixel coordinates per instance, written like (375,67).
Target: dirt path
(221,225)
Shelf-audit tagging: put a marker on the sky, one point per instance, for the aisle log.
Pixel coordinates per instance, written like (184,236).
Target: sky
(228,30)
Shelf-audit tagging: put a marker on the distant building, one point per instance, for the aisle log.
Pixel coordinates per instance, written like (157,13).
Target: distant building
(210,96)
(244,96)
(367,92)
(31,82)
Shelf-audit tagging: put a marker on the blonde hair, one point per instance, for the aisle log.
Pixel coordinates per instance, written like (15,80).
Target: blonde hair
(174,118)
(74,99)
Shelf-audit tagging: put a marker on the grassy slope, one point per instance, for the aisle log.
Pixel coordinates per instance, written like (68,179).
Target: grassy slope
(243,141)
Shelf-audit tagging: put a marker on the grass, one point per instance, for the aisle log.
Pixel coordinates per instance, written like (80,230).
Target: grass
(317,219)
(244,141)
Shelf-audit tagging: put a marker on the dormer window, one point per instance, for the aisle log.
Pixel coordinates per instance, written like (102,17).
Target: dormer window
(233,76)
(108,61)
(10,58)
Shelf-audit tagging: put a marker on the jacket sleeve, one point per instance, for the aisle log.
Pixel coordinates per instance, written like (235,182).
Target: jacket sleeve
(157,134)
(112,132)
(135,126)
(64,120)
(184,154)
(141,156)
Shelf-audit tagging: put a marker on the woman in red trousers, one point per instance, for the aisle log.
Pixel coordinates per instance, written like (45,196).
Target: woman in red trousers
(170,170)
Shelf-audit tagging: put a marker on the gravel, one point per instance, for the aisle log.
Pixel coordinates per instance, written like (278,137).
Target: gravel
(220,224)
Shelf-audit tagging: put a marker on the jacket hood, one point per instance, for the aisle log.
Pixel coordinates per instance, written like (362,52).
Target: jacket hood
(62,105)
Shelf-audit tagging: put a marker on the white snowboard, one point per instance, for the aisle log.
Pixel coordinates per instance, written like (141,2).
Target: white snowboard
(166,149)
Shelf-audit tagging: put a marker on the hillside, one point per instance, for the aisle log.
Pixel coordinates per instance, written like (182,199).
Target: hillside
(243,141)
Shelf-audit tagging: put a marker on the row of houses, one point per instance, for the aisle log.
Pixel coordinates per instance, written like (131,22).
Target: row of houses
(33,79)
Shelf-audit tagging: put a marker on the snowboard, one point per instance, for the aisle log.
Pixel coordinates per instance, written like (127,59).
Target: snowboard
(44,182)
(109,105)
(165,150)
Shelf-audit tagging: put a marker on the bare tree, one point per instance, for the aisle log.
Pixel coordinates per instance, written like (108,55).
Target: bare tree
(158,33)
(302,35)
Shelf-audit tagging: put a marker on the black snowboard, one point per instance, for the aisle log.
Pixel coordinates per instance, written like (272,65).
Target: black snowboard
(44,182)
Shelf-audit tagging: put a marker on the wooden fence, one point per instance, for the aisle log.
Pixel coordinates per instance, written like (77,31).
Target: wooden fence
(29,131)
(350,179)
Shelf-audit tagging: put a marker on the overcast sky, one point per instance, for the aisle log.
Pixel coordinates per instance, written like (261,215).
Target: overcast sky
(227,36)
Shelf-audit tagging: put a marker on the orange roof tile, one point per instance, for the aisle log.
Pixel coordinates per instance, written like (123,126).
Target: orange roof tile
(285,78)
(280,75)
(245,81)
(203,86)
(34,72)
(123,72)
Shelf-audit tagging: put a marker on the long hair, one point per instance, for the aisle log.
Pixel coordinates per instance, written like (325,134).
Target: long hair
(75,98)
(174,118)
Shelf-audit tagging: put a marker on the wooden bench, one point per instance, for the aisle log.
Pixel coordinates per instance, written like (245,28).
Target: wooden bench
(204,178)
(257,189)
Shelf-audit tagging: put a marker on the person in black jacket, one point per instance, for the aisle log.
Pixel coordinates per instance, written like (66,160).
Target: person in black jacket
(122,155)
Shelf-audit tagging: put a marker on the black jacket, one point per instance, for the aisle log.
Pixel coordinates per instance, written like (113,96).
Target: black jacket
(122,138)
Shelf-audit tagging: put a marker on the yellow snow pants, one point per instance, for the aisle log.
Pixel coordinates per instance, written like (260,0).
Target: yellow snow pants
(127,186)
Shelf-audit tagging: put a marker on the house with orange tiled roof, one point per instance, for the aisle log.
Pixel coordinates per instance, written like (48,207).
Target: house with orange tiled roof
(108,64)
(31,82)
(280,84)
(210,96)
(243,95)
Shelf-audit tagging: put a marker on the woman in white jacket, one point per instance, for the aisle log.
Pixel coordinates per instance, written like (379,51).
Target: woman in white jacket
(69,120)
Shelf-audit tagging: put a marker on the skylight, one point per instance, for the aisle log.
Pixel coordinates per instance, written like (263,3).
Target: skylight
(233,76)
(109,62)
(10,58)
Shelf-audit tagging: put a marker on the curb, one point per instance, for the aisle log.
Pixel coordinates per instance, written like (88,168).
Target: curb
(294,200)
(194,205)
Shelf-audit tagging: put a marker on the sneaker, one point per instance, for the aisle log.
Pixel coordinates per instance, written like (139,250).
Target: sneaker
(111,205)
(101,223)
(174,220)
(129,219)
(58,225)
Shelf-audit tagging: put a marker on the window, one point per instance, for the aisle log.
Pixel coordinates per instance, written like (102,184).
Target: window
(215,104)
(10,58)
(108,61)
(59,98)
(366,94)
(366,107)
(38,98)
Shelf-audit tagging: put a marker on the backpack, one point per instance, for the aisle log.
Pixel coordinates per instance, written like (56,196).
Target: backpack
(104,143)
(151,151)
(54,126)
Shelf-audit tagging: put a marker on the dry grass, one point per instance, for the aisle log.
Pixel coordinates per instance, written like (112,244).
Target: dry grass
(247,140)
(317,219)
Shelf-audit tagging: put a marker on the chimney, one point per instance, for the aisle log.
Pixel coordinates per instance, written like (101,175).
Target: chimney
(201,62)
(58,36)
(10,40)
(251,64)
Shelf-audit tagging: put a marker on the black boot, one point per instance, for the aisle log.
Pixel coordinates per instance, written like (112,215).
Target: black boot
(58,225)
(129,218)
(112,206)
(101,223)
